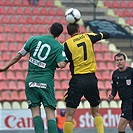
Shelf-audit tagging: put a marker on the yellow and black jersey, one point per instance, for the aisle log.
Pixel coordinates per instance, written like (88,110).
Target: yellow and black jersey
(80,53)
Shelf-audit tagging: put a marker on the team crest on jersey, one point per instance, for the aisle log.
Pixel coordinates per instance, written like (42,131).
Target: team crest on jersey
(128,81)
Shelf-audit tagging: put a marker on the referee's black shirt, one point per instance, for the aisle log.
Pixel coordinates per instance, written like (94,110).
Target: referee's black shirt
(122,82)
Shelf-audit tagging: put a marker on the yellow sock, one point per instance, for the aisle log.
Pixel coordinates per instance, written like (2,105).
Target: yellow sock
(68,127)
(98,121)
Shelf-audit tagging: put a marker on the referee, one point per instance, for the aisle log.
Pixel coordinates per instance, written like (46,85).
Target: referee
(122,80)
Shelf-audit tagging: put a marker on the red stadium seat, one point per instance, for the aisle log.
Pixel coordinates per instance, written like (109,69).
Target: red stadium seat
(13,20)
(38,20)
(97,47)
(26,36)
(41,3)
(61,38)
(60,12)
(129,20)
(47,20)
(10,75)
(22,96)
(3,86)
(10,37)
(24,65)
(25,3)
(108,4)
(57,85)
(30,20)
(101,85)
(5,20)
(49,3)
(17,66)
(19,11)
(108,85)
(59,95)
(110,66)
(17,2)
(104,48)
(19,46)
(106,75)
(107,57)
(52,11)
(12,47)
(101,66)
(32,29)
(115,4)
(41,29)
(103,95)
(21,85)
(3,47)
(56,76)
(130,4)
(123,4)
(5,56)
(7,28)
(44,12)
(11,10)
(2,77)
(19,37)
(98,75)
(99,57)
(12,86)
(22,20)
(5,96)
(62,20)
(36,11)
(64,85)
(16,28)
(19,75)
(126,13)
(9,3)
(118,12)
(14,96)
(63,75)
(25,29)
(28,11)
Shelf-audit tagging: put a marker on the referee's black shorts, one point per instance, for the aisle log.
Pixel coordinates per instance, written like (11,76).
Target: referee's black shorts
(127,109)
(82,85)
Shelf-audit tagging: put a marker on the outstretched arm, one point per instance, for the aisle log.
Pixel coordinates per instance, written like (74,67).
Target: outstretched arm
(15,59)
(97,37)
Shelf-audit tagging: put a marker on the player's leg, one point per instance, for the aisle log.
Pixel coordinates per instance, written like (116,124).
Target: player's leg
(91,93)
(68,125)
(37,120)
(131,124)
(50,113)
(98,120)
(122,125)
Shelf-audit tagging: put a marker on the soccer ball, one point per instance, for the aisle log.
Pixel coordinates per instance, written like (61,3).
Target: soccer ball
(72,15)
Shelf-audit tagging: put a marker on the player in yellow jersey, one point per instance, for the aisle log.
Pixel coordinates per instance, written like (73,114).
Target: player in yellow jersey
(80,53)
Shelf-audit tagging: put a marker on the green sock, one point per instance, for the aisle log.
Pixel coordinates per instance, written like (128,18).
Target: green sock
(52,127)
(38,124)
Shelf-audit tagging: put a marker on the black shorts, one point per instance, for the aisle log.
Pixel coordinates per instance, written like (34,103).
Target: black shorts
(127,109)
(82,85)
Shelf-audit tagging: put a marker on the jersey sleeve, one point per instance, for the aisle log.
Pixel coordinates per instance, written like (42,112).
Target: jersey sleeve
(61,56)
(25,49)
(114,90)
(97,37)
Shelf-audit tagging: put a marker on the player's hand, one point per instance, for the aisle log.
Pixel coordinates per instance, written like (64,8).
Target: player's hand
(110,97)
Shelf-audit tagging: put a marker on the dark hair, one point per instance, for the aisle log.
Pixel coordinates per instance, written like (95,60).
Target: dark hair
(72,28)
(120,54)
(56,29)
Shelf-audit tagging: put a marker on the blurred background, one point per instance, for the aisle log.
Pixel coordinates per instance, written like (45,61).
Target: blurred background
(20,19)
